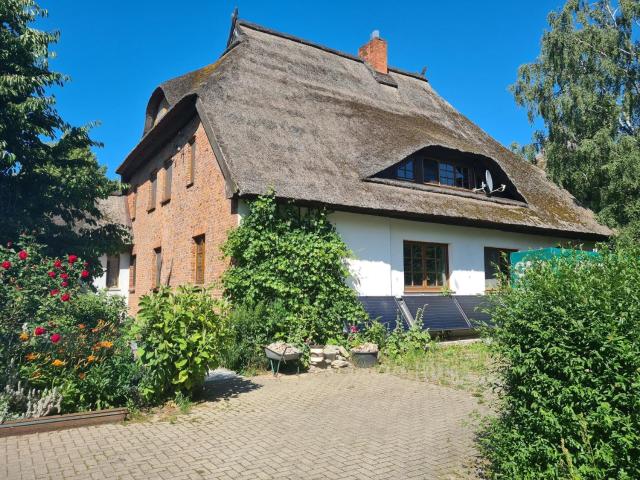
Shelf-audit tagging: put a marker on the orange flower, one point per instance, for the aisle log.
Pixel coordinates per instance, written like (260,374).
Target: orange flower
(32,356)
(57,363)
(103,344)
(81,326)
(24,336)
(91,358)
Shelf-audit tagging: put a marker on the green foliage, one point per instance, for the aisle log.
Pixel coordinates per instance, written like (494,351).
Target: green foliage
(585,87)
(297,262)
(371,331)
(49,177)
(250,329)
(568,363)
(55,332)
(402,343)
(181,335)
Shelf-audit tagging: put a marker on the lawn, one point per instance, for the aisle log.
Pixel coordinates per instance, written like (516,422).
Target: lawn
(463,366)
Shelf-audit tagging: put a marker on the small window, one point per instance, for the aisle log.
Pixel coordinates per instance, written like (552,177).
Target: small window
(132,273)
(157,267)
(199,259)
(153,187)
(134,201)
(464,177)
(446,174)
(425,266)
(430,171)
(497,262)
(168,178)
(405,170)
(191,162)
(113,271)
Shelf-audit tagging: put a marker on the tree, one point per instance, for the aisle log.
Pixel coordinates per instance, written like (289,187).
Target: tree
(49,178)
(585,86)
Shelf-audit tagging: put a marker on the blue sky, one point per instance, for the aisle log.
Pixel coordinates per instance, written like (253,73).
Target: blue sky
(118,51)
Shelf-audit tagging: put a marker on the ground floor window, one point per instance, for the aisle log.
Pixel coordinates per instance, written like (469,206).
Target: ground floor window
(496,263)
(113,271)
(425,266)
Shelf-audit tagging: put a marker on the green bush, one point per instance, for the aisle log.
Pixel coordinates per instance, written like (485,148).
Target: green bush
(568,360)
(181,335)
(250,329)
(414,340)
(296,261)
(55,332)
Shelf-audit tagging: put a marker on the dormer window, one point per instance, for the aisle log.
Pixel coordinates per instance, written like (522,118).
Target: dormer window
(404,171)
(451,171)
(163,108)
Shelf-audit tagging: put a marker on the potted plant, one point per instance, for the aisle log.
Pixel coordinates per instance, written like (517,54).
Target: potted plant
(364,355)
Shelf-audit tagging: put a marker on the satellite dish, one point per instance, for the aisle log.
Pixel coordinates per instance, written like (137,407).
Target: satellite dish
(487,175)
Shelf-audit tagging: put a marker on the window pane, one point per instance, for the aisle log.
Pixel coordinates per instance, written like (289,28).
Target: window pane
(157,267)
(405,170)
(199,259)
(132,272)
(446,174)
(462,177)
(113,270)
(152,191)
(430,171)
(168,177)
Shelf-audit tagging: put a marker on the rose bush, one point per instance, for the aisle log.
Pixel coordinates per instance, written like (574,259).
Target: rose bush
(55,331)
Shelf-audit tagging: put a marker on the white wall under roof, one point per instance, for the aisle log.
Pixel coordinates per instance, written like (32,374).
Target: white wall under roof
(377,246)
(123,277)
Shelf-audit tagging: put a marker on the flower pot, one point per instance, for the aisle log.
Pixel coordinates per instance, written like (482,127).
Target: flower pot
(364,359)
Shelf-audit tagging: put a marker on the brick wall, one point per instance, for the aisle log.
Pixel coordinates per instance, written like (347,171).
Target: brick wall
(375,54)
(199,209)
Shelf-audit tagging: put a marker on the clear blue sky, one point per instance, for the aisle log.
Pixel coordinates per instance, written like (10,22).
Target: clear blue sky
(118,51)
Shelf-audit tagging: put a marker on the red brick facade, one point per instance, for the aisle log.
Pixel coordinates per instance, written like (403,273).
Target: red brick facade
(171,224)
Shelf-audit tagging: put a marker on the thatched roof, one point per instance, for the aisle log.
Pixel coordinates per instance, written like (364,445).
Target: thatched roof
(315,125)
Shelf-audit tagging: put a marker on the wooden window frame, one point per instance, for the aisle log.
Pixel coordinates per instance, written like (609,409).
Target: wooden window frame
(132,273)
(503,250)
(191,162)
(425,288)
(134,203)
(156,268)
(199,271)
(109,274)
(471,177)
(168,181)
(153,191)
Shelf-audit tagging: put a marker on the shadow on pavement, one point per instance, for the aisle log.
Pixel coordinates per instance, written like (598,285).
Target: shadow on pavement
(223,384)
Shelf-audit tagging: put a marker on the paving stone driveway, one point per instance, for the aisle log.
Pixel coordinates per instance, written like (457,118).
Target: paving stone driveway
(343,425)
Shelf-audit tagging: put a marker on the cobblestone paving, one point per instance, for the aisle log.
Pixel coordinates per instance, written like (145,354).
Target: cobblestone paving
(345,425)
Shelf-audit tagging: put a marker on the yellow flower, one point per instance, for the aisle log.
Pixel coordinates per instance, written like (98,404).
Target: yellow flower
(103,344)
(91,358)
(32,356)
(24,336)
(57,363)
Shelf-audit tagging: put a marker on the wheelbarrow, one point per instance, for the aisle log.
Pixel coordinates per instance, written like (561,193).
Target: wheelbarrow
(275,359)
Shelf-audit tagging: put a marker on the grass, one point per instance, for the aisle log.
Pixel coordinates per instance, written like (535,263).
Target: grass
(462,366)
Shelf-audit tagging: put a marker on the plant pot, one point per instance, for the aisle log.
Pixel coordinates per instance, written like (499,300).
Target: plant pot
(364,359)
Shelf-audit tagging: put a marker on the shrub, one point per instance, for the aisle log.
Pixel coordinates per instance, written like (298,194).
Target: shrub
(250,329)
(566,343)
(181,335)
(297,262)
(409,342)
(57,333)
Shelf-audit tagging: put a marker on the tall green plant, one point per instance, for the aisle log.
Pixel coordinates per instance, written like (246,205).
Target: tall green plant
(568,363)
(49,177)
(297,261)
(180,336)
(585,87)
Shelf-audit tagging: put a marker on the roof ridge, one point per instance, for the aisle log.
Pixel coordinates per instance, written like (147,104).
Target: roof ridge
(263,29)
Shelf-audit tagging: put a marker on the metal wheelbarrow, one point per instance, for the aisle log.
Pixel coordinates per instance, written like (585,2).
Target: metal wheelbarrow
(275,359)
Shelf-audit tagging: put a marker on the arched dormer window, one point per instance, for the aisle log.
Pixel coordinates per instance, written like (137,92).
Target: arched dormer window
(451,170)
(161,110)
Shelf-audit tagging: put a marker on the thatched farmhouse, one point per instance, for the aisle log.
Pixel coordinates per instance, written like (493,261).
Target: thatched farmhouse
(424,198)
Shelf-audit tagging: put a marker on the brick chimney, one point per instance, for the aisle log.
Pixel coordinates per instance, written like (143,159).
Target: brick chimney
(375,53)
